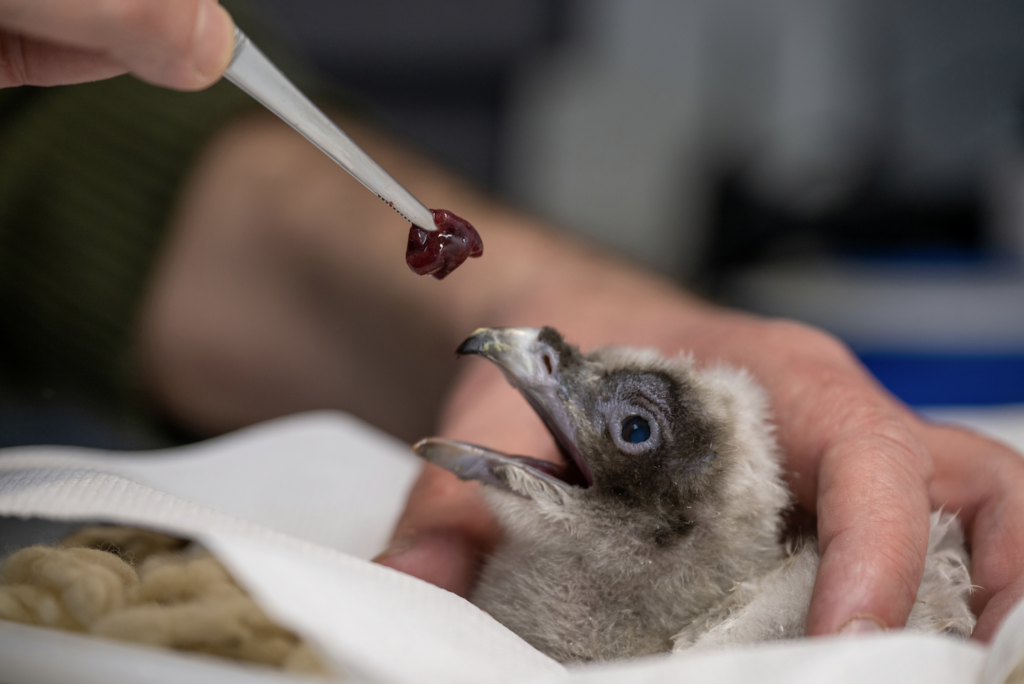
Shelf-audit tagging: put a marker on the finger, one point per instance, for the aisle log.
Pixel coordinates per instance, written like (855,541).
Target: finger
(443,533)
(851,458)
(873,521)
(184,44)
(983,482)
(28,61)
(997,563)
(856,463)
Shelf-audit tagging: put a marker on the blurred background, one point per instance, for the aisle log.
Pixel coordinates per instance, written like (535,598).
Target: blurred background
(858,165)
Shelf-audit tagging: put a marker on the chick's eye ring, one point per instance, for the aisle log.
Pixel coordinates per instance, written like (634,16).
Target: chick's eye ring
(635,430)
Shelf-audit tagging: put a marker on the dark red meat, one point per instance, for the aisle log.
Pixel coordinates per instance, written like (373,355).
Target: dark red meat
(440,252)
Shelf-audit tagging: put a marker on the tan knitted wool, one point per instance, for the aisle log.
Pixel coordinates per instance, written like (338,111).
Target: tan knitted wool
(183,600)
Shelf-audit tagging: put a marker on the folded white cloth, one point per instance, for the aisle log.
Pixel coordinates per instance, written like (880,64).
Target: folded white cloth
(295,507)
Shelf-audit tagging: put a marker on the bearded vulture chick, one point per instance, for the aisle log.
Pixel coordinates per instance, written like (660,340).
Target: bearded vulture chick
(663,528)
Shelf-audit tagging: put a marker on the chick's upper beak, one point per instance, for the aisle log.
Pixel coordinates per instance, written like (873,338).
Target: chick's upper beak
(511,349)
(530,364)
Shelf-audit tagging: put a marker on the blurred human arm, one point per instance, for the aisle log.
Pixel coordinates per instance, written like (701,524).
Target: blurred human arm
(284,289)
(184,44)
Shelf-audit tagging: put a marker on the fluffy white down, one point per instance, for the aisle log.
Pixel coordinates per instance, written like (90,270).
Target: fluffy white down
(580,589)
(775,606)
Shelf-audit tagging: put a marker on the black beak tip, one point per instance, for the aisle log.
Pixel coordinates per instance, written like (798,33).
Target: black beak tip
(471,345)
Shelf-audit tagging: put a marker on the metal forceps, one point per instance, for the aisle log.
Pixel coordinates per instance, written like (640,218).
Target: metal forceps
(251,71)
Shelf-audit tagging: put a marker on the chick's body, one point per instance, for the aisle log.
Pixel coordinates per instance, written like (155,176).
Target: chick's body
(664,529)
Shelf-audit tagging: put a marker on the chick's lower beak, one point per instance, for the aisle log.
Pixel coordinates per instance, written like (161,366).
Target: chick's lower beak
(530,365)
(529,359)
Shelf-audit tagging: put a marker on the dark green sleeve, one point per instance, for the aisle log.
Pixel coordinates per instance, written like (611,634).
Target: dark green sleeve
(89,175)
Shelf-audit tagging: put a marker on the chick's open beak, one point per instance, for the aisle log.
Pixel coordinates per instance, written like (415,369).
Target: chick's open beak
(531,365)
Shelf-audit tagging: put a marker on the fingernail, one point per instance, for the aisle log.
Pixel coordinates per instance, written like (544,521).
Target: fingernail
(395,548)
(213,41)
(862,624)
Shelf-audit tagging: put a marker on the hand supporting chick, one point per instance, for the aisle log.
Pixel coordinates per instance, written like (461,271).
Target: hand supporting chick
(663,528)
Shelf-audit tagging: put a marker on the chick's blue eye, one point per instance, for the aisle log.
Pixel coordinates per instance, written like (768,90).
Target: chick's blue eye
(635,430)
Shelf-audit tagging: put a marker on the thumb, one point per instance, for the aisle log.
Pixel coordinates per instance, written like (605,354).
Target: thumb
(444,532)
(185,44)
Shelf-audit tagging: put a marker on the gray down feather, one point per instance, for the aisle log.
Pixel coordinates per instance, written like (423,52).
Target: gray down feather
(663,530)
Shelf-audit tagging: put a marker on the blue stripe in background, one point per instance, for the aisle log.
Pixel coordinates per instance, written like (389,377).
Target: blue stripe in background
(949,379)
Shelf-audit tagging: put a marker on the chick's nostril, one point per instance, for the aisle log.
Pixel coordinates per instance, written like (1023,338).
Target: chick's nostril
(547,364)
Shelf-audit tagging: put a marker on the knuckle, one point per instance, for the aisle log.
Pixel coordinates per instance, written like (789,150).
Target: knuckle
(811,342)
(897,444)
(886,446)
